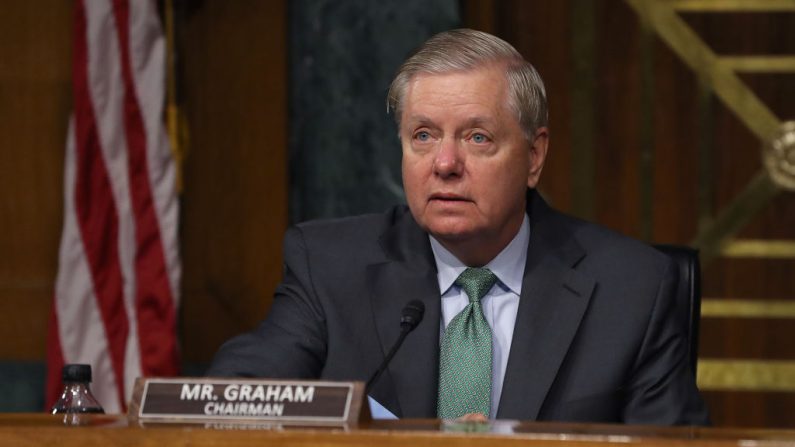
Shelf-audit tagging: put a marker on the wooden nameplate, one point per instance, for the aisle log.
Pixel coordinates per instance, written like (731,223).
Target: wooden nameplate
(304,402)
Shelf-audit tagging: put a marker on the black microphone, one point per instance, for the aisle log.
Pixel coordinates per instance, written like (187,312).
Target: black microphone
(410,317)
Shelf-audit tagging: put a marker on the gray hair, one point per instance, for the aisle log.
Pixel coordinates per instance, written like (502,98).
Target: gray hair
(466,49)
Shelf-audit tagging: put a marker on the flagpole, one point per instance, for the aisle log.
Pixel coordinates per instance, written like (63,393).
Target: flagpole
(173,118)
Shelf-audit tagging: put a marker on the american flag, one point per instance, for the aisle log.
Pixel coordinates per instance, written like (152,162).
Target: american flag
(116,292)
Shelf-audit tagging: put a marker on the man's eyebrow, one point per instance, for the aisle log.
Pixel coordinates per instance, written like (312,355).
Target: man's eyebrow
(475,121)
(421,120)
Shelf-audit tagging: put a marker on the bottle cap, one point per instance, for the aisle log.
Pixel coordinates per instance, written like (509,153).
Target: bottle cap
(77,373)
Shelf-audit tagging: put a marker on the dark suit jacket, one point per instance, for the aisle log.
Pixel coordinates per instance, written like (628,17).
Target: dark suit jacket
(595,338)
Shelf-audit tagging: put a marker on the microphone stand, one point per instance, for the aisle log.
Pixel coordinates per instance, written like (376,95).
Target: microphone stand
(411,316)
(404,331)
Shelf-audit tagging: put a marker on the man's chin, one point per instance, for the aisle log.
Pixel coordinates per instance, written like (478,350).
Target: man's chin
(452,228)
(450,233)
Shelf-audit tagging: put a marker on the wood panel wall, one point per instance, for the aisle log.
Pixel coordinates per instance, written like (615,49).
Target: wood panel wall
(632,120)
(234,210)
(35,99)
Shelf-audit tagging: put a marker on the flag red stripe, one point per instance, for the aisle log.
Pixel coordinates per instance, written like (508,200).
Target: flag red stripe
(154,304)
(95,209)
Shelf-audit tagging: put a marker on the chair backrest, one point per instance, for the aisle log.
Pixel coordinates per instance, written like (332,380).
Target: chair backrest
(688,296)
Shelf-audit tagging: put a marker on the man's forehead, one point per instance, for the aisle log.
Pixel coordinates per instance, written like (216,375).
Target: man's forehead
(485,76)
(472,97)
(461,85)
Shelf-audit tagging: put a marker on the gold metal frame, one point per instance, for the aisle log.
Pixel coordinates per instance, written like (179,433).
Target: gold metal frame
(746,375)
(719,75)
(732,5)
(734,308)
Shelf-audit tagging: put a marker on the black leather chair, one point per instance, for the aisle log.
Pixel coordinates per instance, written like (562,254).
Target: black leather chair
(689,294)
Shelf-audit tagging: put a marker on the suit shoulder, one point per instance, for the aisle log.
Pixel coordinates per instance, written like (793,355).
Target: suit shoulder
(352,228)
(614,249)
(346,237)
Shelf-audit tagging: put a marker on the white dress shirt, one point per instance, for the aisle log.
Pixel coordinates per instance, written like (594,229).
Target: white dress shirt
(499,305)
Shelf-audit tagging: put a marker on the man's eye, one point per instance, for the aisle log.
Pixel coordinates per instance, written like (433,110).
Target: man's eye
(479,138)
(422,136)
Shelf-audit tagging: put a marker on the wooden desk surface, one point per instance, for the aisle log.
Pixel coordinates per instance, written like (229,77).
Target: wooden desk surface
(109,430)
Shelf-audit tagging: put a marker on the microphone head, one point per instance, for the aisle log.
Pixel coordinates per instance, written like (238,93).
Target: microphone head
(412,314)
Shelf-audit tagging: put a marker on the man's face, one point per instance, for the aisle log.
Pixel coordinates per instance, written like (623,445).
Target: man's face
(466,161)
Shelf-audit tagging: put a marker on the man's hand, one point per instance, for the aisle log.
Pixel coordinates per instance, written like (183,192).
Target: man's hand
(473,417)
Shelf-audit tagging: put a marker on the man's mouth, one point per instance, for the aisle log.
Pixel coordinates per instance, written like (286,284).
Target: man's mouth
(448,197)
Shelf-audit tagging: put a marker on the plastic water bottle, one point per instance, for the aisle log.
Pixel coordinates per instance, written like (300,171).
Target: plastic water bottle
(76,397)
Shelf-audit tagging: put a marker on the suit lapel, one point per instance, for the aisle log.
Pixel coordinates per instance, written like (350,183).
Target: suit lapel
(553,301)
(408,387)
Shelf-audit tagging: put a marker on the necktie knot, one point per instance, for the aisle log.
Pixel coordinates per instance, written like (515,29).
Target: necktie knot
(476,282)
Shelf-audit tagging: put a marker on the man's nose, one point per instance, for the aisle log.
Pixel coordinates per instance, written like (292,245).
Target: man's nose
(448,161)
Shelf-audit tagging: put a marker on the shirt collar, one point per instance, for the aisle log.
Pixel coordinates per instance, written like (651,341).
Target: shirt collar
(508,266)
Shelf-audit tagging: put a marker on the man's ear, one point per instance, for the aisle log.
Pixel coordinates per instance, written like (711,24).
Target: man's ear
(538,154)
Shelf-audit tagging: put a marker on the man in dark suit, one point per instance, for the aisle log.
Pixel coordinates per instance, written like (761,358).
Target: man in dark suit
(530,314)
